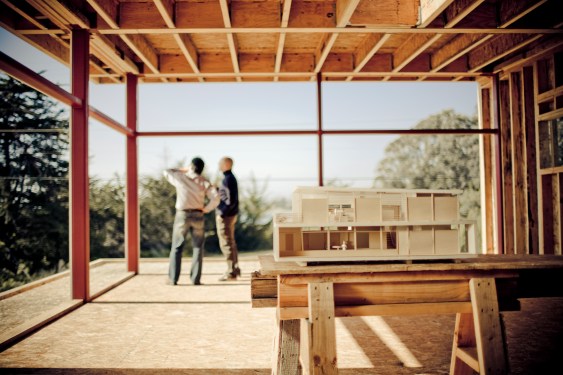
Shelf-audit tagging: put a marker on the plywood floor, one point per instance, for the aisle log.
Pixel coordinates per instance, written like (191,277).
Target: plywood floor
(146,327)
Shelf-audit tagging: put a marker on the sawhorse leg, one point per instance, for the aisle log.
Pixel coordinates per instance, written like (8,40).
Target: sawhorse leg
(286,348)
(318,332)
(478,341)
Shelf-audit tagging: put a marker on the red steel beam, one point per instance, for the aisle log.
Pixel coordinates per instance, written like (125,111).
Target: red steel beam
(320,127)
(316,132)
(132,231)
(79,223)
(108,121)
(22,73)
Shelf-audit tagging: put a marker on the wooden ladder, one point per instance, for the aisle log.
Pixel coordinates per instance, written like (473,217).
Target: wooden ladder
(478,339)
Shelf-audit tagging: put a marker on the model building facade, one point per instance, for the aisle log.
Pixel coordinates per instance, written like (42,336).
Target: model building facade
(342,224)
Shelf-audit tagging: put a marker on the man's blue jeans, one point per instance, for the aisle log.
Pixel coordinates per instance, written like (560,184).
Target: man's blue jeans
(184,222)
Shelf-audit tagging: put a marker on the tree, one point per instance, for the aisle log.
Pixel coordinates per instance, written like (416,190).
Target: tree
(436,161)
(34,183)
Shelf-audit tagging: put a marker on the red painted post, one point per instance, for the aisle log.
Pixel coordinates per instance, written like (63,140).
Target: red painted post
(132,244)
(320,126)
(79,206)
(495,122)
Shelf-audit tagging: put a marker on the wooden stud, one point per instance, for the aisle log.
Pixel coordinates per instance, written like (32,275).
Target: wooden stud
(498,177)
(488,330)
(519,166)
(487,216)
(548,245)
(506,152)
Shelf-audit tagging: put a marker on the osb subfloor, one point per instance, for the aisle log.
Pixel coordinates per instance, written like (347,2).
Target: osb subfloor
(146,327)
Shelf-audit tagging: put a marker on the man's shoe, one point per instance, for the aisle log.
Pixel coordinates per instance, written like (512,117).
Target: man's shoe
(170,282)
(227,277)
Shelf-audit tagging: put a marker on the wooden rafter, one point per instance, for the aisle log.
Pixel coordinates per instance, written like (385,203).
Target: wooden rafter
(233,48)
(367,50)
(281,40)
(166,10)
(344,11)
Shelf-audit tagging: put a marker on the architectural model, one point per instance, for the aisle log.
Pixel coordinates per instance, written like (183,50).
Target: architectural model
(346,224)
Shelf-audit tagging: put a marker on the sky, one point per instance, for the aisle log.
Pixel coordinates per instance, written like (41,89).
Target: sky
(277,163)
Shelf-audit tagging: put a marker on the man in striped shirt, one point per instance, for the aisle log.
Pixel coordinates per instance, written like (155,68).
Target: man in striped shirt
(192,189)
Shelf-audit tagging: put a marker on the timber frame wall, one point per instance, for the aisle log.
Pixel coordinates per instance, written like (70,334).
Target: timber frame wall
(520,101)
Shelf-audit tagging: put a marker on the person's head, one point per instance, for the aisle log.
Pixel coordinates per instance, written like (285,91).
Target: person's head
(225,164)
(197,165)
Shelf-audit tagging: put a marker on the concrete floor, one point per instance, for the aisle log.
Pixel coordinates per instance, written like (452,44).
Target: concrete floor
(146,327)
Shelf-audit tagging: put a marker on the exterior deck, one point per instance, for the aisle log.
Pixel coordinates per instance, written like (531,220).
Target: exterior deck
(143,326)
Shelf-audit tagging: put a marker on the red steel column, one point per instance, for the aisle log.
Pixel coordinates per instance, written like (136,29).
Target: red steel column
(132,243)
(79,206)
(320,127)
(495,122)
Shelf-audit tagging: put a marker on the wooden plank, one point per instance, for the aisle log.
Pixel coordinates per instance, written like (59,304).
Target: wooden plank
(487,222)
(519,166)
(469,356)
(143,49)
(464,337)
(494,263)
(386,12)
(367,49)
(396,309)
(488,331)
(231,40)
(286,348)
(511,11)
(322,346)
(506,154)
(107,10)
(347,294)
(312,14)
(281,40)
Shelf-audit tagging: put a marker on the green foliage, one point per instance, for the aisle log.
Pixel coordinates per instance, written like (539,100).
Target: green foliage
(33,184)
(107,212)
(436,161)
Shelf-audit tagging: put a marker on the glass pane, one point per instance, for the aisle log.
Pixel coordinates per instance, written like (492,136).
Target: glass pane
(551,143)
(396,105)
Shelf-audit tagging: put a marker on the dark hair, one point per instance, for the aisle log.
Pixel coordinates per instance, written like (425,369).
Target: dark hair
(198,164)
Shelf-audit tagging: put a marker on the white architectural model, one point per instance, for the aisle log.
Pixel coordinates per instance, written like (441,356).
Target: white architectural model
(346,224)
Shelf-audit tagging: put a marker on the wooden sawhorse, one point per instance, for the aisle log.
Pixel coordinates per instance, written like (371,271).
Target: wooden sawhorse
(308,299)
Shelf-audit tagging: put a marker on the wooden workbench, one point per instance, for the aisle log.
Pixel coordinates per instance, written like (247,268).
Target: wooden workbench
(308,298)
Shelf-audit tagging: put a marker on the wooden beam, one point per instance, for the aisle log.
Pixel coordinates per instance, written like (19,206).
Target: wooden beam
(430,9)
(60,14)
(412,47)
(233,50)
(166,10)
(345,9)
(367,49)
(531,162)
(107,10)
(510,11)
(506,154)
(456,48)
(281,40)
(497,48)
(143,50)
(519,166)
(390,12)
(458,10)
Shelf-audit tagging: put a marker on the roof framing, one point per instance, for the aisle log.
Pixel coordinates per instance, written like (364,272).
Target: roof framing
(289,40)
